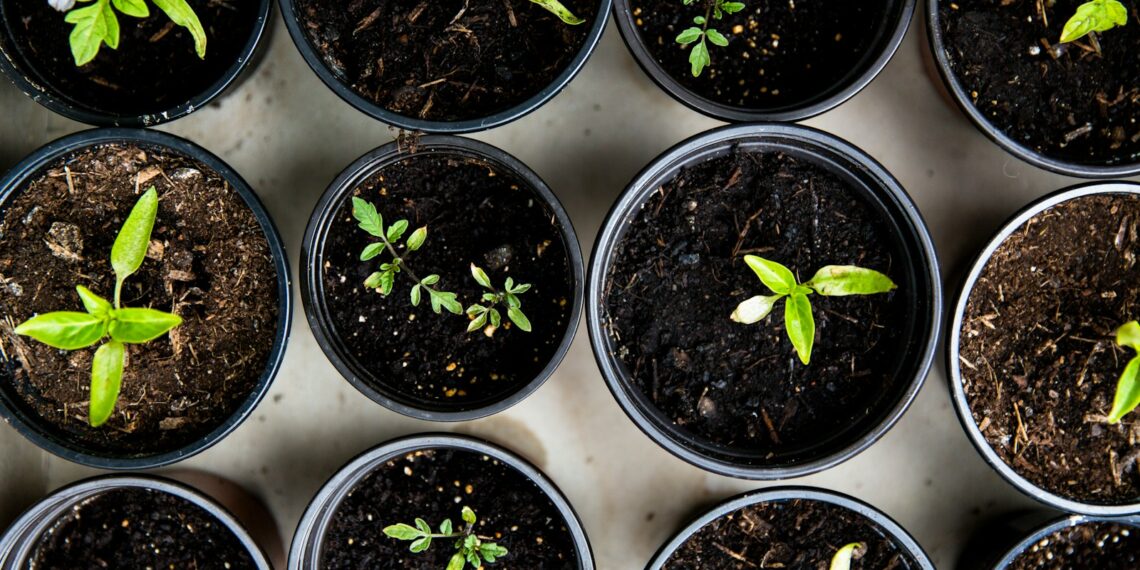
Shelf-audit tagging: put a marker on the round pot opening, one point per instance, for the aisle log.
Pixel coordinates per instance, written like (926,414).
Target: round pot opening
(1080,541)
(687,367)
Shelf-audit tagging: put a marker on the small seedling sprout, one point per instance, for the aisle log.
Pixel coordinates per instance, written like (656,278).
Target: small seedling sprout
(482,314)
(1094,16)
(97,24)
(555,7)
(829,281)
(1127,397)
(844,556)
(70,330)
(384,280)
(469,547)
(698,34)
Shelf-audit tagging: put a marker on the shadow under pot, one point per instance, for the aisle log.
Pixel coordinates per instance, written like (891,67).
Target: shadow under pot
(1032,355)
(791,527)
(447,66)
(672,276)
(1033,541)
(129,522)
(765,61)
(1064,107)
(444,283)
(156,73)
(462,487)
(176,358)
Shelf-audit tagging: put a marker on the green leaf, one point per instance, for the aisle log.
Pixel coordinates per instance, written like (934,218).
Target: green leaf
(1129,335)
(490,298)
(699,20)
(555,7)
(473,557)
(370,220)
(689,36)
(416,295)
(492,551)
(1127,396)
(447,301)
(95,305)
(477,323)
(716,38)
(481,277)
(90,31)
(416,239)
(457,562)
(137,326)
(112,37)
(800,324)
(468,515)
(424,527)
(183,15)
(445,527)
(732,7)
(512,300)
(68,330)
(840,280)
(106,379)
(755,309)
(496,318)
(476,309)
(135,8)
(520,289)
(373,281)
(402,531)
(387,281)
(129,250)
(430,280)
(773,275)
(518,318)
(699,58)
(371,251)
(1094,16)
(421,544)
(396,230)
(842,558)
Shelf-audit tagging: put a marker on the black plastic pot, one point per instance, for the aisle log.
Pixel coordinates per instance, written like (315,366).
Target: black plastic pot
(996,545)
(886,43)
(919,283)
(954,366)
(312,264)
(963,100)
(21,70)
(55,440)
(362,104)
(17,543)
(781,494)
(305,552)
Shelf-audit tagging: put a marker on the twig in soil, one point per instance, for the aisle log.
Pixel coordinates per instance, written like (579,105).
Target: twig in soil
(367,21)
(70,182)
(736,555)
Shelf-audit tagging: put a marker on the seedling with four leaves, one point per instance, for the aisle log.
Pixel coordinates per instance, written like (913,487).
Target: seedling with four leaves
(698,34)
(71,330)
(555,7)
(1092,17)
(470,548)
(97,24)
(1127,397)
(829,281)
(844,556)
(482,314)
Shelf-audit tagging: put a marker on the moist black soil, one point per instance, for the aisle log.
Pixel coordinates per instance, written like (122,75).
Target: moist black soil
(1038,353)
(1064,101)
(155,67)
(475,212)
(445,60)
(209,262)
(679,272)
(1100,545)
(139,528)
(434,485)
(779,53)
(794,534)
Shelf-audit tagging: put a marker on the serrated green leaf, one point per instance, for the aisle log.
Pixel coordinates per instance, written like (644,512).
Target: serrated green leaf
(129,250)
(699,58)
(447,301)
(137,326)
(477,323)
(421,544)
(95,305)
(755,309)
(396,230)
(457,562)
(481,277)
(800,325)
(843,556)
(135,8)
(1127,396)
(468,515)
(370,220)
(518,318)
(373,281)
(841,280)
(67,330)
(183,15)
(689,35)
(106,380)
(416,295)
(1094,16)
(89,31)
(416,239)
(773,275)
(716,37)
(555,7)
(371,251)
(402,532)
(1129,335)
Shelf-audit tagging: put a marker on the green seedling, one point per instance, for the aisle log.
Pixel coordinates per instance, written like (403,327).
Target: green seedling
(829,281)
(470,548)
(1092,17)
(844,556)
(700,35)
(384,280)
(555,7)
(1127,397)
(97,24)
(72,330)
(481,315)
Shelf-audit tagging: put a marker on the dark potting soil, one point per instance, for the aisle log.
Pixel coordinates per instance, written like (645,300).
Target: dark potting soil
(139,528)
(209,262)
(793,534)
(1099,545)
(444,60)
(679,272)
(1038,353)
(780,53)
(475,212)
(1061,100)
(155,67)
(435,484)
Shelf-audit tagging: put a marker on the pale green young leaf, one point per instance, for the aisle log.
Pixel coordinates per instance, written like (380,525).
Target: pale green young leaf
(492,552)
(555,7)
(402,531)
(137,326)
(800,325)
(416,295)
(129,249)
(183,15)
(89,31)
(473,557)
(468,515)
(518,318)
(370,220)
(445,527)
(373,281)
(67,330)
(699,58)
(396,230)
(95,305)
(477,323)
(1129,335)
(755,309)
(520,289)
(843,556)
(840,280)
(424,527)
(371,251)
(716,37)
(1127,396)
(476,309)
(512,300)
(689,35)
(430,280)
(112,37)
(773,275)
(421,544)
(448,301)
(1094,16)
(417,239)
(106,379)
(135,8)
(481,277)
(496,318)
(732,7)
(387,282)
(457,561)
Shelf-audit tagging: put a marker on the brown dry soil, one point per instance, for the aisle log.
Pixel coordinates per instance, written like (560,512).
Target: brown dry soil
(1038,357)
(155,67)
(434,485)
(777,55)
(678,273)
(475,212)
(792,534)
(139,528)
(1064,101)
(209,262)
(1099,545)
(444,60)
